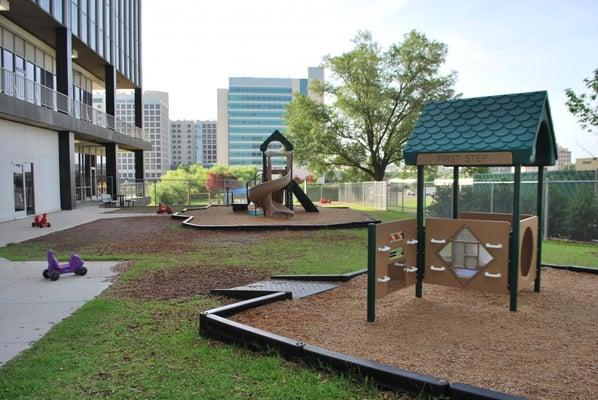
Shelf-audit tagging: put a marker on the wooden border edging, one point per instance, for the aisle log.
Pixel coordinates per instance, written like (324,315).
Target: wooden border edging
(574,268)
(461,391)
(322,277)
(213,324)
(249,228)
(384,375)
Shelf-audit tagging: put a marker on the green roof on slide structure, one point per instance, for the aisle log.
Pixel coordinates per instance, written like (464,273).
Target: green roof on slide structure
(519,123)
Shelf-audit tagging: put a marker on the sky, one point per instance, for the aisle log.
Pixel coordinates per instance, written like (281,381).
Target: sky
(191,47)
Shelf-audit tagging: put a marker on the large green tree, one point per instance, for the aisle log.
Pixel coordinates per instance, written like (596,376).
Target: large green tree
(585,106)
(373,100)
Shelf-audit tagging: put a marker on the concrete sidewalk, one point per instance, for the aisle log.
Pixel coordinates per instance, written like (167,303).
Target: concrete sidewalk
(20,230)
(30,305)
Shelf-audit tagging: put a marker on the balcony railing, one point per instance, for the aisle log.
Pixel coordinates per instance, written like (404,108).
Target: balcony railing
(18,86)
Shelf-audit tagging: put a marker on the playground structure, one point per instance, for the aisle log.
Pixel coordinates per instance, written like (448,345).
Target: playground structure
(275,195)
(499,253)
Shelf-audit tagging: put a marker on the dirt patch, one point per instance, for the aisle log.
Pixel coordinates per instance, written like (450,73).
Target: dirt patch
(184,282)
(144,235)
(326,216)
(546,350)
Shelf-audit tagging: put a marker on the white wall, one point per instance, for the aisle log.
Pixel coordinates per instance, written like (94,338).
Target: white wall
(25,143)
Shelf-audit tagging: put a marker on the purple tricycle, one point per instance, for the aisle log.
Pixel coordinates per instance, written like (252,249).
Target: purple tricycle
(55,269)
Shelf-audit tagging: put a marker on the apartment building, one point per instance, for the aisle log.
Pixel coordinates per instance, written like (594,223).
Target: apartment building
(56,149)
(183,143)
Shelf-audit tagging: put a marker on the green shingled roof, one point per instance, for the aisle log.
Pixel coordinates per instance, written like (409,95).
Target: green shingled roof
(519,123)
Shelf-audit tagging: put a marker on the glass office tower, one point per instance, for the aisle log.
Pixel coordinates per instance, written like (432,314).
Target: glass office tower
(253,109)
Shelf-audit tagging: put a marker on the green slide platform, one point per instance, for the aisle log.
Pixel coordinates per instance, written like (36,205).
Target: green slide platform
(307,204)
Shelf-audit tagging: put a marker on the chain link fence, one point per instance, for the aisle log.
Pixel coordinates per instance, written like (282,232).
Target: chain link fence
(185,192)
(570,199)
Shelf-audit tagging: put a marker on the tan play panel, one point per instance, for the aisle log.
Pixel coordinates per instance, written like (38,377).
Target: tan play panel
(220,215)
(546,350)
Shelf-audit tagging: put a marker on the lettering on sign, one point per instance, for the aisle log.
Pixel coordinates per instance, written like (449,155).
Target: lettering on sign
(494,158)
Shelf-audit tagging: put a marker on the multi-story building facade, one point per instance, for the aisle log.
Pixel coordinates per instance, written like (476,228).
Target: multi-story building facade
(55,148)
(156,123)
(587,164)
(206,143)
(183,143)
(156,127)
(250,110)
(564,160)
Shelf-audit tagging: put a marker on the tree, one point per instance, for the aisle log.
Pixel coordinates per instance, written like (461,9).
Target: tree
(376,98)
(585,105)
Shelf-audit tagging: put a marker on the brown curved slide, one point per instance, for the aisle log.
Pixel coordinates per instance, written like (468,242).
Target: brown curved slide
(261,195)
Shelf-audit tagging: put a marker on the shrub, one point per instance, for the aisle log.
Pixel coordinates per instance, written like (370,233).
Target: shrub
(582,216)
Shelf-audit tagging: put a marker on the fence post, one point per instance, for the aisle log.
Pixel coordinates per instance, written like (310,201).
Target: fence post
(402,197)
(492,197)
(188,193)
(155,194)
(546,216)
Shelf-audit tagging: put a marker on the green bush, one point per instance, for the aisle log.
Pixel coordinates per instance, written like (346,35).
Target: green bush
(582,217)
(187,183)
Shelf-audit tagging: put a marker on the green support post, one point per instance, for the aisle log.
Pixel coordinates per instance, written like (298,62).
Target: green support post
(455,192)
(421,248)
(540,227)
(371,272)
(514,261)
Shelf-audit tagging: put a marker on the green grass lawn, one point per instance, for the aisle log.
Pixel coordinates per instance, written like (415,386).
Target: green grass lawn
(126,348)
(565,253)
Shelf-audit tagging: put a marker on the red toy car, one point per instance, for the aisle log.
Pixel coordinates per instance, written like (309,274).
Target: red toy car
(164,208)
(40,221)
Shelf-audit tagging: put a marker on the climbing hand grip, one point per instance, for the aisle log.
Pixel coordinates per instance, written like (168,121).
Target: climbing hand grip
(435,268)
(493,245)
(384,279)
(491,275)
(437,241)
(410,269)
(412,241)
(398,264)
(384,249)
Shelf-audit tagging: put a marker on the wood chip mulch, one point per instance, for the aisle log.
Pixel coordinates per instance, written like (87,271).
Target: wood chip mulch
(184,282)
(143,235)
(546,350)
(326,216)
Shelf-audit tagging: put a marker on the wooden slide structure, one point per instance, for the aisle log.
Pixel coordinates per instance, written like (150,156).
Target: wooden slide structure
(261,195)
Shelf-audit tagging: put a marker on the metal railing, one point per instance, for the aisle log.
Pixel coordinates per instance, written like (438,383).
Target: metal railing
(17,85)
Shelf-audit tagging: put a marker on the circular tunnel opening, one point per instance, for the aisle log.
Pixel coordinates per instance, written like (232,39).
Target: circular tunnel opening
(527,251)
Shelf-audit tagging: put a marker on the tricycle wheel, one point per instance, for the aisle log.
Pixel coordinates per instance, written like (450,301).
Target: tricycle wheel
(49,225)
(54,276)
(45,274)
(81,271)
(33,224)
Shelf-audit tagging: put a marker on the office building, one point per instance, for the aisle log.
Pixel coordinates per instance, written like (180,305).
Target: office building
(55,148)
(156,127)
(587,164)
(250,110)
(206,143)
(183,143)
